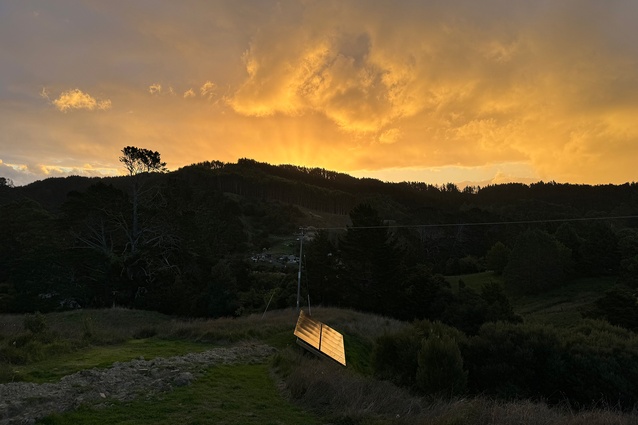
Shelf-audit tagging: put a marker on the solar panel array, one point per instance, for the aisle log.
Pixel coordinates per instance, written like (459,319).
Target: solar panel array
(320,338)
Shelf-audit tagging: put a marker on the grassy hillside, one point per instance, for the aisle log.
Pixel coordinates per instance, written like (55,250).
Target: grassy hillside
(294,388)
(561,306)
(243,394)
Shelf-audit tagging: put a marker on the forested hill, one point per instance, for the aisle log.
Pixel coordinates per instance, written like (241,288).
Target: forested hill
(337,193)
(215,239)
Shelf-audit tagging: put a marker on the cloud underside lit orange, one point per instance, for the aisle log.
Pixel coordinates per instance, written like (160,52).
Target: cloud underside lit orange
(535,91)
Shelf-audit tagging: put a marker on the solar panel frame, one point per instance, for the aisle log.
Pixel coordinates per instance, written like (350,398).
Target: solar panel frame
(319,338)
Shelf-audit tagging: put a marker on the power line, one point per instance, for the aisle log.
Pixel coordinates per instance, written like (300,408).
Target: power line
(485,223)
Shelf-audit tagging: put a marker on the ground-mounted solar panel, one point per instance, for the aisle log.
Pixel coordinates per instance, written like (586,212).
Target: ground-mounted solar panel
(320,338)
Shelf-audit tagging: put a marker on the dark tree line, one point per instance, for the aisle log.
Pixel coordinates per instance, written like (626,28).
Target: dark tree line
(180,242)
(373,268)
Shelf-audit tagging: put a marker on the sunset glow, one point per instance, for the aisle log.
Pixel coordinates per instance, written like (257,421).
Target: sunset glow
(464,91)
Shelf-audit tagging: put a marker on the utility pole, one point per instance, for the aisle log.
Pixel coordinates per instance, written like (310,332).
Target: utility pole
(299,274)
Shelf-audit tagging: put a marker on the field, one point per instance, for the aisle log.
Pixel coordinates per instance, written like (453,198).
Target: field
(293,387)
(561,306)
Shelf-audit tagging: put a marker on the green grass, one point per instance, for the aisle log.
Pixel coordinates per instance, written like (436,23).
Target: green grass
(242,395)
(283,245)
(54,368)
(561,306)
(474,280)
(358,353)
(320,391)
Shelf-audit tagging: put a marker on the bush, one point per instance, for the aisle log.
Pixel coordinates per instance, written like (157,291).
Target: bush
(35,323)
(396,356)
(470,264)
(12,355)
(600,365)
(469,309)
(498,306)
(514,361)
(36,344)
(440,369)
(619,306)
(588,365)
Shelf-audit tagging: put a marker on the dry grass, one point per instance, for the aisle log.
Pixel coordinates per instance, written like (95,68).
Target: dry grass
(11,324)
(276,326)
(122,324)
(325,389)
(356,323)
(341,395)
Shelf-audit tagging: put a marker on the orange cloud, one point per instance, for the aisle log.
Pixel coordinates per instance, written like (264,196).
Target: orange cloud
(155,88)
(208,90)
(342,84)
(77,99)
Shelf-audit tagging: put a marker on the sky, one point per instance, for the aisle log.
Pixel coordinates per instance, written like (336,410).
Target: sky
(462,91)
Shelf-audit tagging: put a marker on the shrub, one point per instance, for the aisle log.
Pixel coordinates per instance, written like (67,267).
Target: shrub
(396,356)
(12,355)
(588,365)
(470,264)
(498,306)
(513,361)
(35,323)
(34,351)
(87,326)
(467,312)
(600,365)
(440,369)
(619,306)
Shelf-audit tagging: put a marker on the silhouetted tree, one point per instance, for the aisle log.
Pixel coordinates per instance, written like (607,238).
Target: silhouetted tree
(497,258)
(95,219)
(427,296)
(537,263)
(138,161)
(322,270)
(619,306)
(33,275)
(370,263)
(628,247)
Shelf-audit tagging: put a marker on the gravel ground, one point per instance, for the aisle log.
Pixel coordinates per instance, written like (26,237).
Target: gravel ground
(24,403)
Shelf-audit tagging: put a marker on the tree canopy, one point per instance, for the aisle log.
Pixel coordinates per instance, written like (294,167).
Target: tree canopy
(140,160)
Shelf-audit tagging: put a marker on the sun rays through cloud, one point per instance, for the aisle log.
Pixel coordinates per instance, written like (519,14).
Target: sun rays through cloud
(496,91)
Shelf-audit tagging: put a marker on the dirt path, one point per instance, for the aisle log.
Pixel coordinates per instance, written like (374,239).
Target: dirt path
(24,403)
